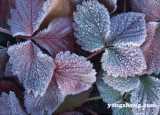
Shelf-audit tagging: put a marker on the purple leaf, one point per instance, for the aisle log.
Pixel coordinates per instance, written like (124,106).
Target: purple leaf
(3,60)
(9,105)
(47,103)
(27,16)
(8,70)
(109,4)
(33,68)
(123,57)
(151,48)
(92,25)
(57,37)
(149,7)
(73,73)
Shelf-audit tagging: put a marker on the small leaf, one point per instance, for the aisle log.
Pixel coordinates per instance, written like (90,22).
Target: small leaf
(33,68)
(122,84)
(150,8)
(73,73)
(92,25)
(71,113)
(3,60)
(148,92)
(151,48)
(27,16)
(124,56)
(109,4)
(73,101)
(9,105)
(57,37)
(8,70)
(47,103)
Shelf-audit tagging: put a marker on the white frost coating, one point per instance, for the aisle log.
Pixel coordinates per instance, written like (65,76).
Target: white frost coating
(9,105)
(92,25)
(148,92)
(122,84)
(74,73)
(27,16)
(33,68)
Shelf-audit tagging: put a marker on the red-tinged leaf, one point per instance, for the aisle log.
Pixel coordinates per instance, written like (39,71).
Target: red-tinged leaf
(151,48)
(149,7)
(27,16)
(57,37)
(9,105)
(3,60)
(71,113)
(73,101)
(73,73)
(124,57)
(47,103)
(6,5)
(33,68)
(109,4)
(7,86)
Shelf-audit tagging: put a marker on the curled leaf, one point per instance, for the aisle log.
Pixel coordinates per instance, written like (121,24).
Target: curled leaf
(33,68)
(9,105)
(92,25)
(73,73)
(57,37)
(109,4)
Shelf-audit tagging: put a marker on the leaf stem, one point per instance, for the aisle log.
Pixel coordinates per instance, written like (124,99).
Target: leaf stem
(95,53)
(94,98)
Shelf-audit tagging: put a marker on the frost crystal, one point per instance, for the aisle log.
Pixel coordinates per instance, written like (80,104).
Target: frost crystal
(33,68)
(92,25)
(9,105)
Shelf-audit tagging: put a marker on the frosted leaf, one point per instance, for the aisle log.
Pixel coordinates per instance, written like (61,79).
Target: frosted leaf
(122,84)
(149,7)
(47,103)
(8,70)
(148,92)
(33,68)
(71,113)
(27,16)
(111,96)
(9,105)
(3,60)
(92,25)
(124,56)
(109,4)
(151,48)
(6,5)
(73,73)
(57,37)
(73,101)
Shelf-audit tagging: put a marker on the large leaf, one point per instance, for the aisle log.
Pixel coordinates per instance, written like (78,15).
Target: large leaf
(33,68)
(47,103)
(92,25)
(3,60)
(6,5)
(149,7)
(73,101)
(122,84)
(148,92)
(27,16)
(109,4)
(112,97)
(9,105)
(151,48)
(57,37)
(73,73)
(124,56)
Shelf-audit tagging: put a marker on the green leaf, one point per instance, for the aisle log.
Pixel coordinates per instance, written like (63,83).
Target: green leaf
(148,92)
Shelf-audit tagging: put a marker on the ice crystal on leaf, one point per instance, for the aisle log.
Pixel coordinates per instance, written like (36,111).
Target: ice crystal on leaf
(151,48)
(33,68)
(9,105)
(148,92)
(59,39)
(92,25)
(149,7)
